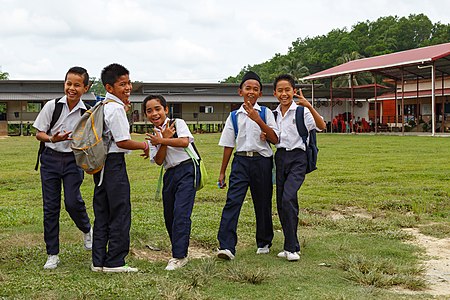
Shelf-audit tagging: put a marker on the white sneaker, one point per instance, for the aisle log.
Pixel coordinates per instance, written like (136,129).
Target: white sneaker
(87,237)
(263,250)
(96,269)
(225,254)
(123,269)
(52,262)
(175,263)
(291,256)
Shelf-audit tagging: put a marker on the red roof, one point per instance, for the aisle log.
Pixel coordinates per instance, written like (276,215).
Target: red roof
(391,64)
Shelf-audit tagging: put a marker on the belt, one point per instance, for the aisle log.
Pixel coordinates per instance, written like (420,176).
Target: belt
(292,150)
(247,153)
(50,151)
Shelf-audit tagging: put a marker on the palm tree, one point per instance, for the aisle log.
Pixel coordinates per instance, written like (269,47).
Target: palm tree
(358,79)
(295,68)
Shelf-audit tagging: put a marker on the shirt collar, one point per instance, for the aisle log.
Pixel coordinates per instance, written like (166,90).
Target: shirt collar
(80,104)
(115,98)
(242,110)
(292,107)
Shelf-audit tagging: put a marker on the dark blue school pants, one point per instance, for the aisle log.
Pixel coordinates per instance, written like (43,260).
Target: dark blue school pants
(112,210)
(178,201)
(256,173)
(290,174)
(57,167)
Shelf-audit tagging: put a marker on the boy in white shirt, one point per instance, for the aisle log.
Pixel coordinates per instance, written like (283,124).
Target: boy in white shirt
(58,163)
(251,167)
(290,159)
(112,206)
(181,178)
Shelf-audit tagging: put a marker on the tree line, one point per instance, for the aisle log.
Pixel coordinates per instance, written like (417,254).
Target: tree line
(365,39)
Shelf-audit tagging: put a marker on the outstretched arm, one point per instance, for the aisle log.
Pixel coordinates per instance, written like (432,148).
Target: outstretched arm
(320,123)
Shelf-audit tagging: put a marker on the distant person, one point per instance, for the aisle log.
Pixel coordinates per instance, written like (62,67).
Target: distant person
(290,159)
(58,164)
(181,176)
(112,206)
(251,167)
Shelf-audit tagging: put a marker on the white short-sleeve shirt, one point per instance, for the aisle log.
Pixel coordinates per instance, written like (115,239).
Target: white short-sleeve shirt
(66,122)
(249,133)
(289,137)
(174,155)
(116,123)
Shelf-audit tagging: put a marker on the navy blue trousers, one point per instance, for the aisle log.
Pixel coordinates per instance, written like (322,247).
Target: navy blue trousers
(57,167)
(256,173)
(290,174)
(178,201)
(112,210)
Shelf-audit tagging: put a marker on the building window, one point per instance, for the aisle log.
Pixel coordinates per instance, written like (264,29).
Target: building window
(207,109)
(34,107)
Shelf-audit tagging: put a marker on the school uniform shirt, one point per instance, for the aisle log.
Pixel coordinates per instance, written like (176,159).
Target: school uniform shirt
(289,137)
(174,155)
(249,133)
(116,123)
(66,122)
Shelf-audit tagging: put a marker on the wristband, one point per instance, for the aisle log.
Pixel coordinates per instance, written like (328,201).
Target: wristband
(50,139)
(145,146)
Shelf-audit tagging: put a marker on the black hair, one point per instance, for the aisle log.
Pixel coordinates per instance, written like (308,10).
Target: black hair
(160,98)
(287,77)
(111,73)
(80,71)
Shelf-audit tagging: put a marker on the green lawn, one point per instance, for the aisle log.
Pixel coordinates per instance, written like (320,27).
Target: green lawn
(367,188)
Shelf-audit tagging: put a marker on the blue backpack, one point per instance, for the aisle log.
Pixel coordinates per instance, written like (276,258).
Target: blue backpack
(262,114)
(311,148)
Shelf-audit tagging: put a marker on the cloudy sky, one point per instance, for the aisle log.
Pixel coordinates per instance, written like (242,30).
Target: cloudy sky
(174,40)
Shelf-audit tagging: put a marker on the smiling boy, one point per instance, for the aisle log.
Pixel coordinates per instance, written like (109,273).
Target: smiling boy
(251,167)
(112,206)
(290,159)
(58,163)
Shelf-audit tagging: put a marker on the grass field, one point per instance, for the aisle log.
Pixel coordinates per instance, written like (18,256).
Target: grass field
(353,209)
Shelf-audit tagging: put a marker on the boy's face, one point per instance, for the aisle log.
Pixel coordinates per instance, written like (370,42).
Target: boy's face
(251,91)
(121,88)
(155,112)
(74,87)
(284,92)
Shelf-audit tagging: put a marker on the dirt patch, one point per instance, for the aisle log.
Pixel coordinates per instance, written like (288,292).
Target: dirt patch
(436,263)
(342,213)
(437,260)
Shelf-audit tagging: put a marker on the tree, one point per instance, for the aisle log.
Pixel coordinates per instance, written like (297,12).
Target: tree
(295,68)
(346,80)
(97,87)
(4,75)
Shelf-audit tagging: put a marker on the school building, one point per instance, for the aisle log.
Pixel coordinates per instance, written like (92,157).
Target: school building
(204,106)
(414,96)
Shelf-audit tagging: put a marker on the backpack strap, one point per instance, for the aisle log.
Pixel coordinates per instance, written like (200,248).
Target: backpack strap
(172,121)
(55,116)
(275,114)
(234,122)
(300,122)
(262,114)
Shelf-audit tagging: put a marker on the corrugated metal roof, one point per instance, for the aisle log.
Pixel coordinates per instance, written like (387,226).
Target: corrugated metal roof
(38,96)
(391,64)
